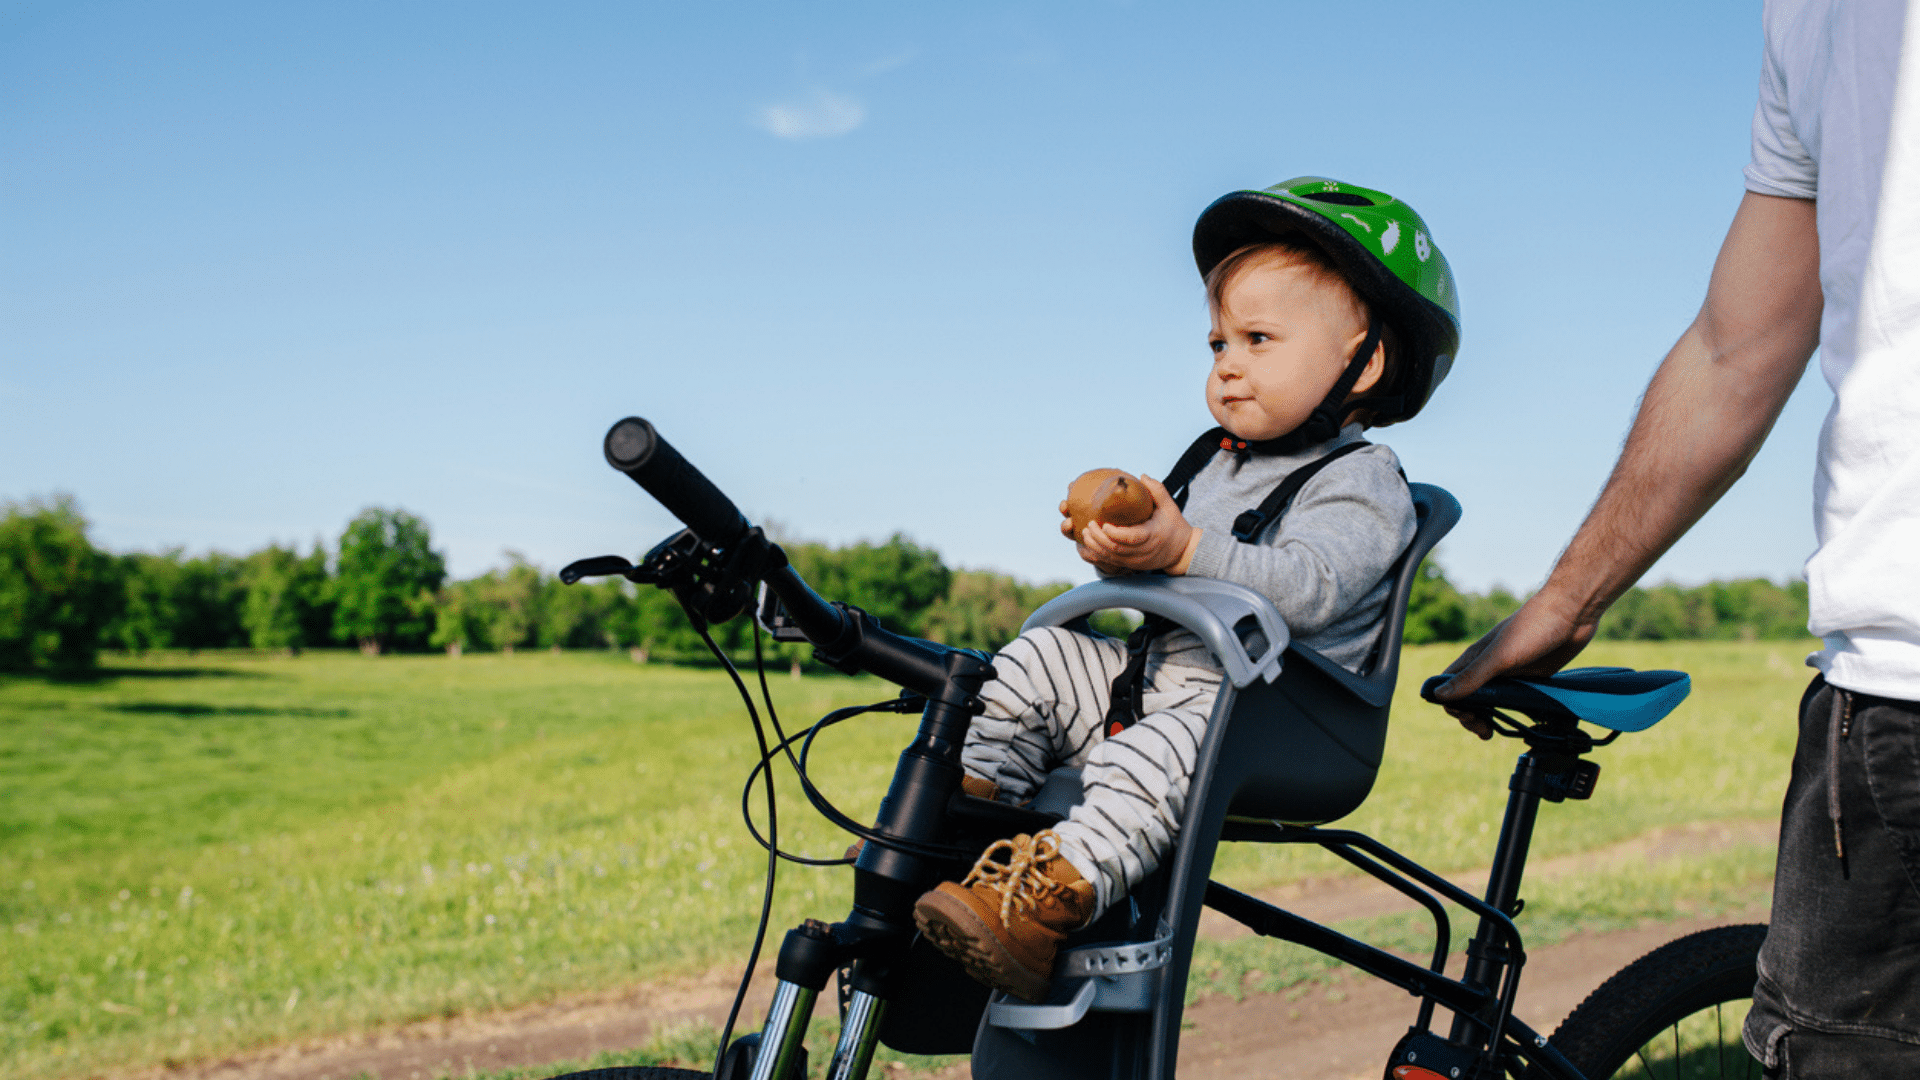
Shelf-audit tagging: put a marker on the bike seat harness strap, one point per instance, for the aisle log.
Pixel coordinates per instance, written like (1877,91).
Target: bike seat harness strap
(1125,701)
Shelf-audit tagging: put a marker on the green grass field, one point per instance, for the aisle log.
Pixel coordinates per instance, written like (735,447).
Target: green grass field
(199,854)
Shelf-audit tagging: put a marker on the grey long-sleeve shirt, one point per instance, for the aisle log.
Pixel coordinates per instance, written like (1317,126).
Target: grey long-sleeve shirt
(1324,564)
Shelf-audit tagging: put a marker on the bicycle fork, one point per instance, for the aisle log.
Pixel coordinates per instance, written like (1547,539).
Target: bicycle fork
(807,957)
(789,1015)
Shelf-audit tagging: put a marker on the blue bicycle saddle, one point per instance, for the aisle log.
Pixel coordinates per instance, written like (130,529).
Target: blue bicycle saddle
(1619,699)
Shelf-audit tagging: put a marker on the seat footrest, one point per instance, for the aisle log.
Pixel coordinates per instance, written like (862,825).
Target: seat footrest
(1104,978)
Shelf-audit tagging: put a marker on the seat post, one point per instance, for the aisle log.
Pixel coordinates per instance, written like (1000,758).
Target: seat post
(1487,959)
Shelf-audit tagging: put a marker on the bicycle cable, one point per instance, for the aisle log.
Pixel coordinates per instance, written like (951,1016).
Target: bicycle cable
(773,831)
(814,796)
(766,759)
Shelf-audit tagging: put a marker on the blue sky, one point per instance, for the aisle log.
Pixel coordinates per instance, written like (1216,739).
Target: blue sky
(872,267)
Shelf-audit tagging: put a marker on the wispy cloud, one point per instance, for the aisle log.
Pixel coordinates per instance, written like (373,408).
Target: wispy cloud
(893,62)
(817,114)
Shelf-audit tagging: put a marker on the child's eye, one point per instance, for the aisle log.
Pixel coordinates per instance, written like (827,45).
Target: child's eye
(1256,338)
(1218,345)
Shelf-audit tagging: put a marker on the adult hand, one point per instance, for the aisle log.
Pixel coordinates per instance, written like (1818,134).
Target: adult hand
(1539,639)
(1164,541)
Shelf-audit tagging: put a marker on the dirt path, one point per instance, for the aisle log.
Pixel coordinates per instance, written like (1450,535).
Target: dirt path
(1343,1029)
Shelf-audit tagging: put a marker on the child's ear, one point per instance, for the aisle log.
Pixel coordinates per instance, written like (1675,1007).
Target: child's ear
(1370,375)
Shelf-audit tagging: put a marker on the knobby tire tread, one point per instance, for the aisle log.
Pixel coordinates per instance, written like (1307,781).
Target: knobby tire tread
(1657,991)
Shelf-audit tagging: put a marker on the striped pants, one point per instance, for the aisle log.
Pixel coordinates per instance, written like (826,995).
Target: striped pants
(1048,709)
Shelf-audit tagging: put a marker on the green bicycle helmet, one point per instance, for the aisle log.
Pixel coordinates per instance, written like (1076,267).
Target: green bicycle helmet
(1385,252)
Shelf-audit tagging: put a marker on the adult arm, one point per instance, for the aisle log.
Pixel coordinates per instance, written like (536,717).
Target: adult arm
(1703,417)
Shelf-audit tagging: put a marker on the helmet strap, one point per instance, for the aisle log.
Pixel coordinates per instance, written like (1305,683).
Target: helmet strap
(1325,421)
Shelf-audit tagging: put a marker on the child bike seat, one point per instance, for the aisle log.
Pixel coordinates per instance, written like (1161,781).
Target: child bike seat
(1618,699)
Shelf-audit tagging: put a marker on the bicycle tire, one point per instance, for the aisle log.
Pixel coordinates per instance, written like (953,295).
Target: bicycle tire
(1675,1013)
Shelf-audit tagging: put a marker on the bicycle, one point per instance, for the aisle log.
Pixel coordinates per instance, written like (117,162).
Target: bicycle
(1294,743)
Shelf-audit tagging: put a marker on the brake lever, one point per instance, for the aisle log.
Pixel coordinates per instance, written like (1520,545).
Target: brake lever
(669,563)
(597,566)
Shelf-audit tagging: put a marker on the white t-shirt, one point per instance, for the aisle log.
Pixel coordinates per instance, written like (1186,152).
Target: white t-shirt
(1839,122)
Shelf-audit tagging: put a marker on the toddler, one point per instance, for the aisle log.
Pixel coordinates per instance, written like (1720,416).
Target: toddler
(1332,312)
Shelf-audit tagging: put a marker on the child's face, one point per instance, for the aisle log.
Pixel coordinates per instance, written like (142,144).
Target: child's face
(1281,337)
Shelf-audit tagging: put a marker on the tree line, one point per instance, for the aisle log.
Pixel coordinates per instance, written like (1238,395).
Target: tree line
(382,588)
(1745,609)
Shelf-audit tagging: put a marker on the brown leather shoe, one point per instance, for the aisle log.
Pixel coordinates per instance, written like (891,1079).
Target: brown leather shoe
(977,786)
(1004,923)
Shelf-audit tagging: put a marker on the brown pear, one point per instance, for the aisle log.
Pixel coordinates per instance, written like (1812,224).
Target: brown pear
(1107,495)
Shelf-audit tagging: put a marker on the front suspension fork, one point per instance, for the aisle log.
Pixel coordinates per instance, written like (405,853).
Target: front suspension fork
(784,1033)
(858,1037)
(807,957)
(786,1030)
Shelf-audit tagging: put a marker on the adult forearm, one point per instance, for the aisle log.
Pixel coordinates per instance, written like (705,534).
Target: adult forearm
(1709,407)
(1704,416)
(1699,425)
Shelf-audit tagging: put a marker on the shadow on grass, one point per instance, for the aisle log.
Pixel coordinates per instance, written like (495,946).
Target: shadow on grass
(102,675)
(172,708)
(180,673)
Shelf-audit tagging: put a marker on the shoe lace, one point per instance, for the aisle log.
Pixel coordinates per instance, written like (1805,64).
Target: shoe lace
(1020,880)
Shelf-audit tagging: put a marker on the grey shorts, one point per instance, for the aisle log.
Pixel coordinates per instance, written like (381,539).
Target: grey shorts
(1839,992)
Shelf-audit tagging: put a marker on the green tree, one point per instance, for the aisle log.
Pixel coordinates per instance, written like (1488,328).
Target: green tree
(1660,613)
(1485,612)
(1744,609)
(587,615)
(57,592)
(210,602)
(283,589)
(1436,610)
(388,575)
(512,603)
(147,615)
(1752,609)
(984,610)
(459,617)
(660,627)
(520,605)
(895,582)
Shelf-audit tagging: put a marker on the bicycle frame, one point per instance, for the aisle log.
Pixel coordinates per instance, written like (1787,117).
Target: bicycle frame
(923,814)
(1484,1031)
(917,810)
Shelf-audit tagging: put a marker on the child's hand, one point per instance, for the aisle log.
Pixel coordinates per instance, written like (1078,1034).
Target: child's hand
(1066,530)
(1163,542)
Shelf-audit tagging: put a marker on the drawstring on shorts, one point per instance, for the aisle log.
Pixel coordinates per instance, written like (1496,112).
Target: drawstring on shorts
(1839,726)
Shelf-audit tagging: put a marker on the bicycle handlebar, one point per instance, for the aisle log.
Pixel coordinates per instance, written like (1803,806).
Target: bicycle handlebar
(634,448)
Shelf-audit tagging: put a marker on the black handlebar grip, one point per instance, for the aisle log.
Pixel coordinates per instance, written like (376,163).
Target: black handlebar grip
(634,448)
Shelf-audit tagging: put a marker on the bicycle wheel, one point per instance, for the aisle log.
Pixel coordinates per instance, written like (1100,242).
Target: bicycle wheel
(1674,1014)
